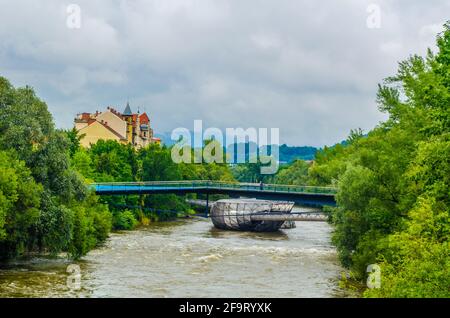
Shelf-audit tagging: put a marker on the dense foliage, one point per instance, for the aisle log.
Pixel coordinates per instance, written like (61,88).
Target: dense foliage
(44,205)
(295,173)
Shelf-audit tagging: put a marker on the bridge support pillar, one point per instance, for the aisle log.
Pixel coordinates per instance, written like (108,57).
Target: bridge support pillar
(207,205)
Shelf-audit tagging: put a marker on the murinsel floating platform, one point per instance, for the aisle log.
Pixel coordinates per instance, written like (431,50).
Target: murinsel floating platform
(252,215)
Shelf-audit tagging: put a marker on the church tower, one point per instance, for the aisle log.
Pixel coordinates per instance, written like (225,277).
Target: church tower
(128,117)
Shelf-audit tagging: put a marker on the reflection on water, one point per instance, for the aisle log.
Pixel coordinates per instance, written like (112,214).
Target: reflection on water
(190,258)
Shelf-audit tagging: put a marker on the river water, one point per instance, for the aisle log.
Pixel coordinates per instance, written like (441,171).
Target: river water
(188,258)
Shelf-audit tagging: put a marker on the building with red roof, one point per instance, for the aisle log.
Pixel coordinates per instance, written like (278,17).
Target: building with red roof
(126,127)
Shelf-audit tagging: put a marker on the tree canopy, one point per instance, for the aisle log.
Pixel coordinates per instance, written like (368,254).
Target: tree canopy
(44,204)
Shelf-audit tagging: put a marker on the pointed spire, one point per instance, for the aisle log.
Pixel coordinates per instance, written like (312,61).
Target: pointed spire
(127,111)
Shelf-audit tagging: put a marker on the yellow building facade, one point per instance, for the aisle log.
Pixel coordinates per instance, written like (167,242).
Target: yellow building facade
(123,127)
(96,131)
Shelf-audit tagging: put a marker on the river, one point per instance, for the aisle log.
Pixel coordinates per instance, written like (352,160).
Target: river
(188,258)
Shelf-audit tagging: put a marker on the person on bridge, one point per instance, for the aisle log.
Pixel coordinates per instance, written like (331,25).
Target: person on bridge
(261,185)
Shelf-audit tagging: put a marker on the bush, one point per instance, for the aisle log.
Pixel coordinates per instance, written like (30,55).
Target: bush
(55,228)
(92,223)
(124,220)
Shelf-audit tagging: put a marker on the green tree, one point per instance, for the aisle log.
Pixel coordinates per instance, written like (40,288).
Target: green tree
(157,164)
(113,161)
(295,174)
(74,140)
(19,205)
(82,162)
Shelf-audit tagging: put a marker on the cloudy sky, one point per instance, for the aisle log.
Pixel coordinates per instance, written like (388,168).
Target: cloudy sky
(310,68)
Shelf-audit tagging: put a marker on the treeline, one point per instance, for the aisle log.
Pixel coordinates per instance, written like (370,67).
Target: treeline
(295,173)
(394,183)
(44,204)
(287,153)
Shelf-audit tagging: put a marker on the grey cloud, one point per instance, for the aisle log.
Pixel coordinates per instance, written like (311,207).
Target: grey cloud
(307,67)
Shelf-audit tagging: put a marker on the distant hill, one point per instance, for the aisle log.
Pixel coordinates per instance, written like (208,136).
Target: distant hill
(288,154)
(291,153)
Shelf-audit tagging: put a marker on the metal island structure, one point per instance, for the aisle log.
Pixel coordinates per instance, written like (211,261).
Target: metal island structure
(258,215)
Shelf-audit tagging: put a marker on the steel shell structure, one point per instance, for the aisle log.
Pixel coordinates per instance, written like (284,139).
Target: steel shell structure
(239,214)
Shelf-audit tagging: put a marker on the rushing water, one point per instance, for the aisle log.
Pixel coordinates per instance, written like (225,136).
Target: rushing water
(189,258)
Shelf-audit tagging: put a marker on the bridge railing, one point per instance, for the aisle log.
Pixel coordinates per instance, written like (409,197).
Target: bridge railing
(272,187)
(206,184)
(147,185)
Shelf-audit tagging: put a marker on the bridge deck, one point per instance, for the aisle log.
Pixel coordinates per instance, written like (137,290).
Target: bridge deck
(299,194)
(302,216)
(217,185)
